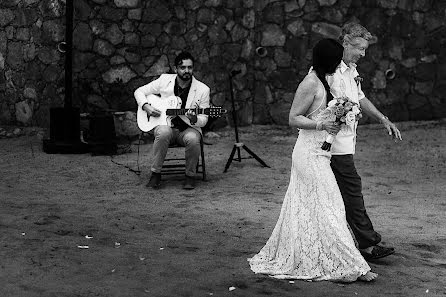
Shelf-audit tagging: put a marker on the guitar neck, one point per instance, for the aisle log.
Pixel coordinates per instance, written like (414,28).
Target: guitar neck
(182,111)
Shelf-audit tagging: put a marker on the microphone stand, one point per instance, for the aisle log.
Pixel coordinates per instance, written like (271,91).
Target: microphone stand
(238,144)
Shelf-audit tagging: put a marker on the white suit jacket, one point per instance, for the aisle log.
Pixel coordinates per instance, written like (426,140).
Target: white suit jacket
(164,86)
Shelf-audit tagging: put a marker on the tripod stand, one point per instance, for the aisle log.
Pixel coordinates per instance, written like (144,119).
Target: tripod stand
(238,144)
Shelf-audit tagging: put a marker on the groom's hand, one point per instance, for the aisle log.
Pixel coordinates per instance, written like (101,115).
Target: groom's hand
(392,129)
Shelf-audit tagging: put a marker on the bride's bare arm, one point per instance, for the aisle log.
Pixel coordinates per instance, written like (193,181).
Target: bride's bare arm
(303,99)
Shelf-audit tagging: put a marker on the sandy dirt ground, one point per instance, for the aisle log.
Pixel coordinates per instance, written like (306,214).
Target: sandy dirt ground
(173,242)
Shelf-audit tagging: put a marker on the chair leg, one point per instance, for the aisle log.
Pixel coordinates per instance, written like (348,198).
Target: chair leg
(203,163)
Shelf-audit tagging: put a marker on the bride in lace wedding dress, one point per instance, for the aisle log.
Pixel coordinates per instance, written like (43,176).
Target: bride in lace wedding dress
(311,240)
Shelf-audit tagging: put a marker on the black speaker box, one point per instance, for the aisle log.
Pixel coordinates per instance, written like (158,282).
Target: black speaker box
(102,139)
(64,132)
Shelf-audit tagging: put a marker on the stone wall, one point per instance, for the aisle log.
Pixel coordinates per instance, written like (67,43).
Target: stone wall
(122,44)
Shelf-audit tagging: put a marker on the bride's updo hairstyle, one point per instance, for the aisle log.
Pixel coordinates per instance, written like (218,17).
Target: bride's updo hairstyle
(327,54)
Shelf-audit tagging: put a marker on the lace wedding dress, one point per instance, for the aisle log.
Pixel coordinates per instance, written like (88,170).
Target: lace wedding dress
(311,240)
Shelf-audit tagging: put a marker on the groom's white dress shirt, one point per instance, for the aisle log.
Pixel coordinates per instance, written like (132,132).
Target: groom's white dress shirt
(342,83)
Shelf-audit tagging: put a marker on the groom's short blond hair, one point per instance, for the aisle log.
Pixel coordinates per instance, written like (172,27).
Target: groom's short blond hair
(350,31)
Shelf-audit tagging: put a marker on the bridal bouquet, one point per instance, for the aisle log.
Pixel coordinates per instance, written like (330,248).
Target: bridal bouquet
(346,111)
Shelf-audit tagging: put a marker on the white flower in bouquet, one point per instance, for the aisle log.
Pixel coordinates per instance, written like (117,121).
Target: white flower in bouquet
(350,118)
(356,110)
(332,103)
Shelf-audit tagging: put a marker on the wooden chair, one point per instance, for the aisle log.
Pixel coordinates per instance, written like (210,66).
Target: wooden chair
(178,165)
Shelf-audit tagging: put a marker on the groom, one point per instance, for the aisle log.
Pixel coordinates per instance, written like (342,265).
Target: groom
(345,82)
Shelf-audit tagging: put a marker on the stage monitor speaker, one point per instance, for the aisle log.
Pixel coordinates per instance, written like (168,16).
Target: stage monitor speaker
(64,132)
(102,139)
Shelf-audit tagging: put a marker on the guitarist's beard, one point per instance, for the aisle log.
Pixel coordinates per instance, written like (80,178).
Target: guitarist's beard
(185,78)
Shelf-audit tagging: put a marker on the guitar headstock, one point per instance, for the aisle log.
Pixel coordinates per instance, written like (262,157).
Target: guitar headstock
(215,111)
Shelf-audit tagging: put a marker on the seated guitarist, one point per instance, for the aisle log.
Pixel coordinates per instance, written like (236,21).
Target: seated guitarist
(185,130)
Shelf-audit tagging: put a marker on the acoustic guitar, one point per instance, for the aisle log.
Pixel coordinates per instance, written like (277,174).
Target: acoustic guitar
(170,107)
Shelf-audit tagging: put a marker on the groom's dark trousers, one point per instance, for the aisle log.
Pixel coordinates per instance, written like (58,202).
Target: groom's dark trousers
(349,183)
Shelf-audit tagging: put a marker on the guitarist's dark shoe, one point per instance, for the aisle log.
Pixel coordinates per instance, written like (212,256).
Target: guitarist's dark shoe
(155,180)
(189,183)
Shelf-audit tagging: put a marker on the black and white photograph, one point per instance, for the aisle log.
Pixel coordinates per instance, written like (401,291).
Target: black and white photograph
(185,148)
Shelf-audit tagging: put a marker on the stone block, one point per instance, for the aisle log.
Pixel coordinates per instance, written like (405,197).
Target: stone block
(159,13)
(379,80)
(114,34)
(213,3)
(131,39)
(52,73)
(174,28)
(274,14)
(53,30)
(217,35)
(135,14)
(272,35)
(218,99)
(425,71)
(112,14)
(409,62)
(260,114)
(280,113)
(291,5)
(248,19)
(206,16)
(148,41)
(327,2)
(389,4)
(297,27)
(238,33)
(82,37)
(29,93)
(97,102)
(159,67)
(424,87)
(282,58)
(121,73)
(247,49)
(6,17)
(424,112)
(51,8)
(415,101)
(31,2)
(2,64)
(82,10)
(14,58)
(23,112)
(405,4)
(332,15)
(22,34)
(422,5)
(29,52)
(326,30)
(3,42)
(103,47)
(82,60)
(126,3)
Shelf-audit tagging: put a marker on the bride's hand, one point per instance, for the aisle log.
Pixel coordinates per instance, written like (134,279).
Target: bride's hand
(331,127)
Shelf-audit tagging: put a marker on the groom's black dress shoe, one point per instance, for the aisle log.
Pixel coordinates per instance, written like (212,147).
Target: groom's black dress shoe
(378,252)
